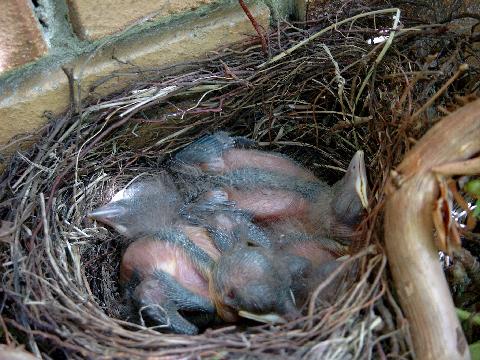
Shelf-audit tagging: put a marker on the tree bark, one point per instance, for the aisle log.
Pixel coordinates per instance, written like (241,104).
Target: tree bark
(413,257)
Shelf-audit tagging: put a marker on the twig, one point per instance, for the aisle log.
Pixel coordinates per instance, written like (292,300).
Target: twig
(462,68)
(255,25)
(321,32)
(388,43)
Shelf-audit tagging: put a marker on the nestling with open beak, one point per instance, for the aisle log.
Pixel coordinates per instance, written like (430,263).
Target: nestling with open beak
(273,187)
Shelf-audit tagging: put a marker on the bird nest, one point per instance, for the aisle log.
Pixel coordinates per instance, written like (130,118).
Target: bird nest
(319,93)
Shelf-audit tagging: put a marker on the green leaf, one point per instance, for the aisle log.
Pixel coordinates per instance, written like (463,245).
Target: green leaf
(475,350)
(473,187)
(476,211)
(464,315)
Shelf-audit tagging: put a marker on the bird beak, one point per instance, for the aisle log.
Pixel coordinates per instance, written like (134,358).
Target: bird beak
(107,213)
(357,167)
(263,318)
(288,309)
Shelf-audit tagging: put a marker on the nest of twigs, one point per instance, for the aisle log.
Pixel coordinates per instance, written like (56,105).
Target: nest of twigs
(332,92)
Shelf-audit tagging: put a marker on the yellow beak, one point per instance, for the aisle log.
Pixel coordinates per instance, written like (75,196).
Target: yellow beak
(263,318)
(357,165)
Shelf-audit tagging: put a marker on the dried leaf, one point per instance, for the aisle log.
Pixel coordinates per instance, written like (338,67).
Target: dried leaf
(447,238)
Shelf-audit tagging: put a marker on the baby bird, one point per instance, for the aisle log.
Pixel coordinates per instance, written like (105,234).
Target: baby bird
(142,208)
(273,187)
(290,236)
(165,269)
(268,285)
(227,225)
(166,276)
(322,254)
(267,273)
(256,283)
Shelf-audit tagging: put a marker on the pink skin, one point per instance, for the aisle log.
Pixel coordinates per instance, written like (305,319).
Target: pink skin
(293,239)
(313,251)
(270,204)
(233,159)
(266,204)
(147,255)
(334,212)
(200,237)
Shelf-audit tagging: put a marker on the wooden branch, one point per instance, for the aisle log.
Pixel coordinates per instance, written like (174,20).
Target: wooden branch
(414,262)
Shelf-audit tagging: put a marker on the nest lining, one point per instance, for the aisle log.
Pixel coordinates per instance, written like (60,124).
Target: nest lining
(319,104)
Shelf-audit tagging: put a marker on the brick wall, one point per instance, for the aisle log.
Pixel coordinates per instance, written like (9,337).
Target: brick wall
(21,40)
(41,39)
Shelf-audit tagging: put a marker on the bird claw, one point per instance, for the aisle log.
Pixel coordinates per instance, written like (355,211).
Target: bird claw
(165,318)
(160,299)
(183,298)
